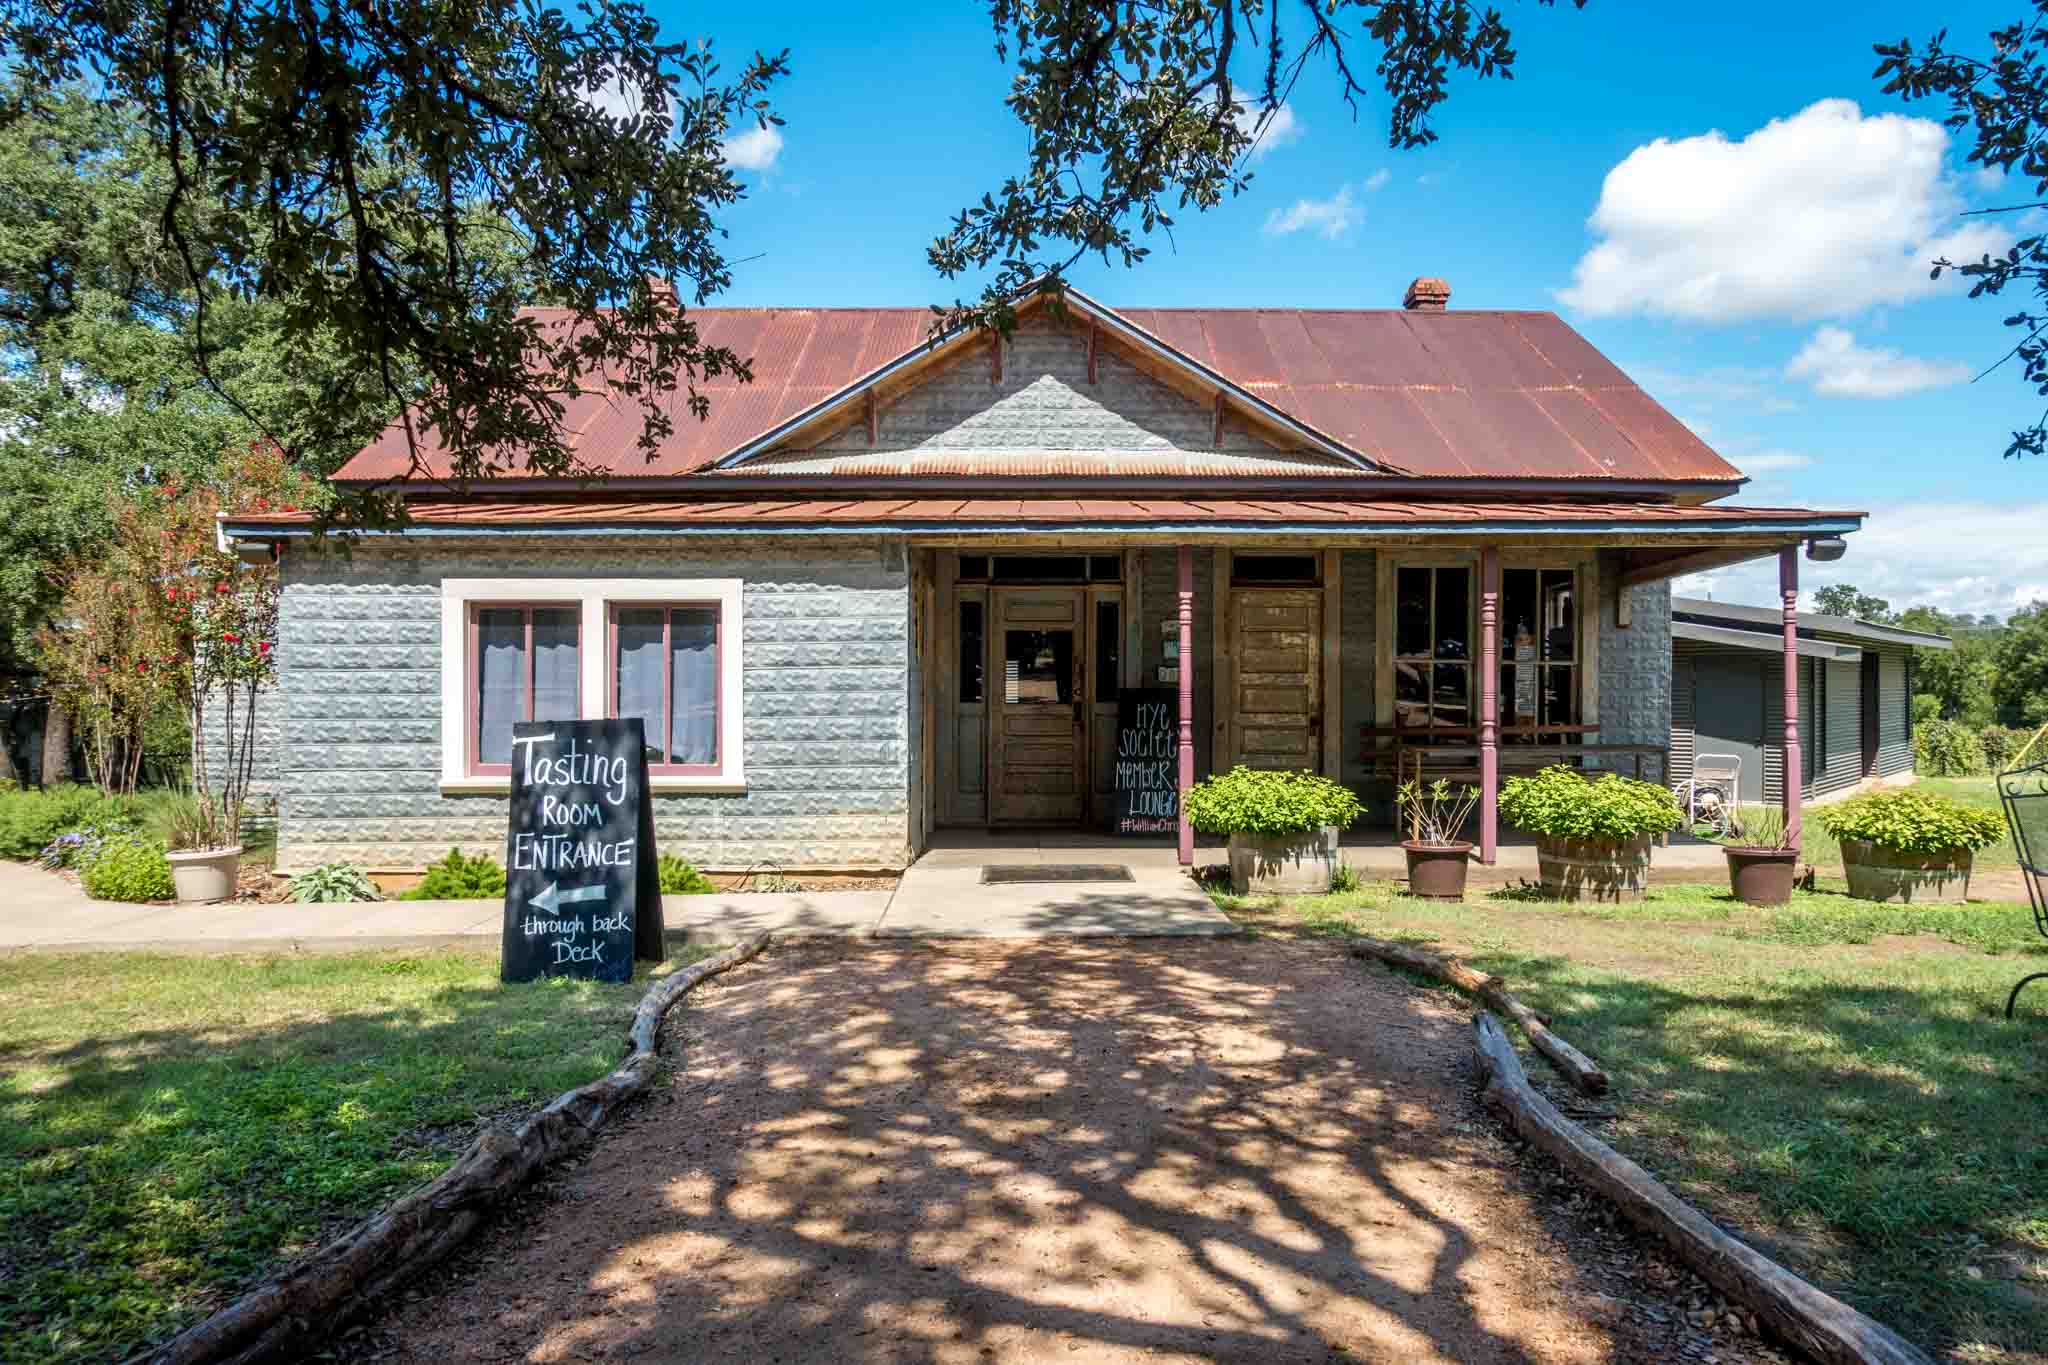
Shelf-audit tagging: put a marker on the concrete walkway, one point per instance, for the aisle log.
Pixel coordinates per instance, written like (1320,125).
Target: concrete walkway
(41,910)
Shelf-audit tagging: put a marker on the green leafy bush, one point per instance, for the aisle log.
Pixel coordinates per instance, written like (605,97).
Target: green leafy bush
(31,819)
(1912,822)
(332,882)
(1249,801)
(2002,745)
(1562,803)
(679,878)
(1926,707)
(1947,748)
(127,867)
(456,878)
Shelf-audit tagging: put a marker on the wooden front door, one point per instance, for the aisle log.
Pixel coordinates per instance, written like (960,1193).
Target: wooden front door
(1275,675)
(1038,717)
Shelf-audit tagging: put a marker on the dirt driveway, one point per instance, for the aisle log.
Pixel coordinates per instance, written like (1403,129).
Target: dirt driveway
(1055,1151)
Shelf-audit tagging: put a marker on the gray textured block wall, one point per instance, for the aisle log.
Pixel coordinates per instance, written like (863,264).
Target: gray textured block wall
(1635,668)
(825,696)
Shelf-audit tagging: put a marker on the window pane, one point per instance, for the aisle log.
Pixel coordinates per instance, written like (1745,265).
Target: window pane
(974,567)
(554,662)
(500,680)
(1518,620)
(1106,568)
(1560,696)
(1560,616)
(1411,695)
(1453,613)
(1411,613)
(1041,569)
(1038,667)
(1450,702)
(971,652)
(638,671)
(1109,651)
(693,651)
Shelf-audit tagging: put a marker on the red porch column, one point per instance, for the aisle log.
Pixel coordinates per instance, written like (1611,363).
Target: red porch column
(1489,705)
(1187,700)
(1788,590)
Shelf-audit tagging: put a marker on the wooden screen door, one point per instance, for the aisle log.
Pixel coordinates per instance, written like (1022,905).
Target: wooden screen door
(1276,678)
(1038,717)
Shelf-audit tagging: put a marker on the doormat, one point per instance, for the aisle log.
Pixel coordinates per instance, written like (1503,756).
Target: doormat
(1054,872)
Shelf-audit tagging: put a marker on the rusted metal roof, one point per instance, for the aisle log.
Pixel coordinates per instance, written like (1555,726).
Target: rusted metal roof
(883,513)
(1455,394)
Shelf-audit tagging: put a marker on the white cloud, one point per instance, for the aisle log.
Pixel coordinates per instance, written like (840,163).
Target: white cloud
(1377,181)
(1970,557)
(757,149)
(1751,387)
(1282,127)
(1837,367)
(1822,214)
(1328,218)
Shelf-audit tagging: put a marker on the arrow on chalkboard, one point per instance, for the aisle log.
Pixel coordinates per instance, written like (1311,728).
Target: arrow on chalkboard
(554,895)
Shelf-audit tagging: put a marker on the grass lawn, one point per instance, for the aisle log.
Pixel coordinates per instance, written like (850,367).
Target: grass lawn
(1850,1098)
(172,1128)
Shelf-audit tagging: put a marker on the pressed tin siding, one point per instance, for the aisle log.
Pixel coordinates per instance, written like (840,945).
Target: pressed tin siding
(825,713)
(1635,669)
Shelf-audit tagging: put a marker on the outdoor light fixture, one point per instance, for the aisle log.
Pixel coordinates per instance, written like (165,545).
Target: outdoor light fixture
(1826,549)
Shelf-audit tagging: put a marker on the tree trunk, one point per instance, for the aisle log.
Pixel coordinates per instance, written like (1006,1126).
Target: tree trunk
(56,745)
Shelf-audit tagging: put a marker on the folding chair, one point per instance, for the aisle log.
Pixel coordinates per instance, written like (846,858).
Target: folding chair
(1709,795)
(2024,794)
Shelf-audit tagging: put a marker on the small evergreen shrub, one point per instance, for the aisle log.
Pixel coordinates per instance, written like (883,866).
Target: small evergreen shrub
(456,878)
(1562,803)
(333,882)
(127,867)
(2002,745)
(1251,801)
(1926,707)
(31,819)
(1947,748)
(1913,822)
(679,878)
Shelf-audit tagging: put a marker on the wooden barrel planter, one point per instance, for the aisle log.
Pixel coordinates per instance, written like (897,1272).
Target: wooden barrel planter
(1284,864)
(1594,869)
(1879,874)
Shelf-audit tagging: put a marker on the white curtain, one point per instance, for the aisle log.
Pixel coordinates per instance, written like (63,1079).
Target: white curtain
(639,672)
(500,681)
(693,649)
(555,682)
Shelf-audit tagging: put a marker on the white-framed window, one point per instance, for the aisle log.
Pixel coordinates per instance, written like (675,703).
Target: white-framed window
(665,649)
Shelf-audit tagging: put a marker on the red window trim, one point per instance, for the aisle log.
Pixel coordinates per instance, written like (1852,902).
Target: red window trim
(668,668)
(473,677)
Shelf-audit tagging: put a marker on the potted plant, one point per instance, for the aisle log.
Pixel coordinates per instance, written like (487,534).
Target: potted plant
(1435,817)
(1764,859)
(1909,845)
(1282,827)
(1592,836)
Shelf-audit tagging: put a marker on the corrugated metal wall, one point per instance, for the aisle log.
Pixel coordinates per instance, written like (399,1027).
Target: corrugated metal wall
(1678,758)
(1894,714)
(1839,763)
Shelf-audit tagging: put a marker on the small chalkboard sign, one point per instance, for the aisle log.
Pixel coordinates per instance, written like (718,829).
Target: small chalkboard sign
(1147,760)
(582,895)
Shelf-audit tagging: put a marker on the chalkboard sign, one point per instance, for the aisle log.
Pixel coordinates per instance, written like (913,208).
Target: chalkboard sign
(582,896)
(1148,760)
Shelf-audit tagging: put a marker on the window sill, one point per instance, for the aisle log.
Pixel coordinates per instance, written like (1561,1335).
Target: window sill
(502,786)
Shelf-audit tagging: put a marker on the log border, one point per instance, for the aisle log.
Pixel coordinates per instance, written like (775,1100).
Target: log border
(1577,1067)
(310,1300)
(1817,1323)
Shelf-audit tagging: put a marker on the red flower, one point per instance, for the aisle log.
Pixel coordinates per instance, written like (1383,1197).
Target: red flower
(263,648)
(230,637)
(220,586)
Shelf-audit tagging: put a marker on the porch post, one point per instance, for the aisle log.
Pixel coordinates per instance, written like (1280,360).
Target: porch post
(1187,700)
(1788,590)
(1489,704)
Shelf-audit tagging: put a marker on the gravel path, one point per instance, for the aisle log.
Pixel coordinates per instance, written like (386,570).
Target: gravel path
(1051,1151)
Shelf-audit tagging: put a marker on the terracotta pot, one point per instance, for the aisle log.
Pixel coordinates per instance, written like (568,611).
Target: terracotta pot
(1283,864)
(206,875)
(1436,872)
(1594,869)
(1878,874)
(1762,876)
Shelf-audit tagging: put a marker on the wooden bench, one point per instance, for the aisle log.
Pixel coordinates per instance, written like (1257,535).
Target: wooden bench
(1392,751)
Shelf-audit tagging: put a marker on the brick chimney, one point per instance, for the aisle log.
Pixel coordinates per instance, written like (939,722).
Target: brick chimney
(662,290)
(1427,294)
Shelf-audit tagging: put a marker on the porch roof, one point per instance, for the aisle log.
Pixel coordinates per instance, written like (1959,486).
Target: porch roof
(1198,517)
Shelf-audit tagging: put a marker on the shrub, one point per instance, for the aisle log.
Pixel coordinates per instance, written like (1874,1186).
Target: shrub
(1249,801)
(1926,707)
(127,867)
(2002,745)
(178,819)
(1913,822)
(1562,803)
(679,878)
(1947,748)
(31,819)
(331,882)
(456,878)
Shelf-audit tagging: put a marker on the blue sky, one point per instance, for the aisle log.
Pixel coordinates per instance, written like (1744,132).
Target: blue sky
(1668,178)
